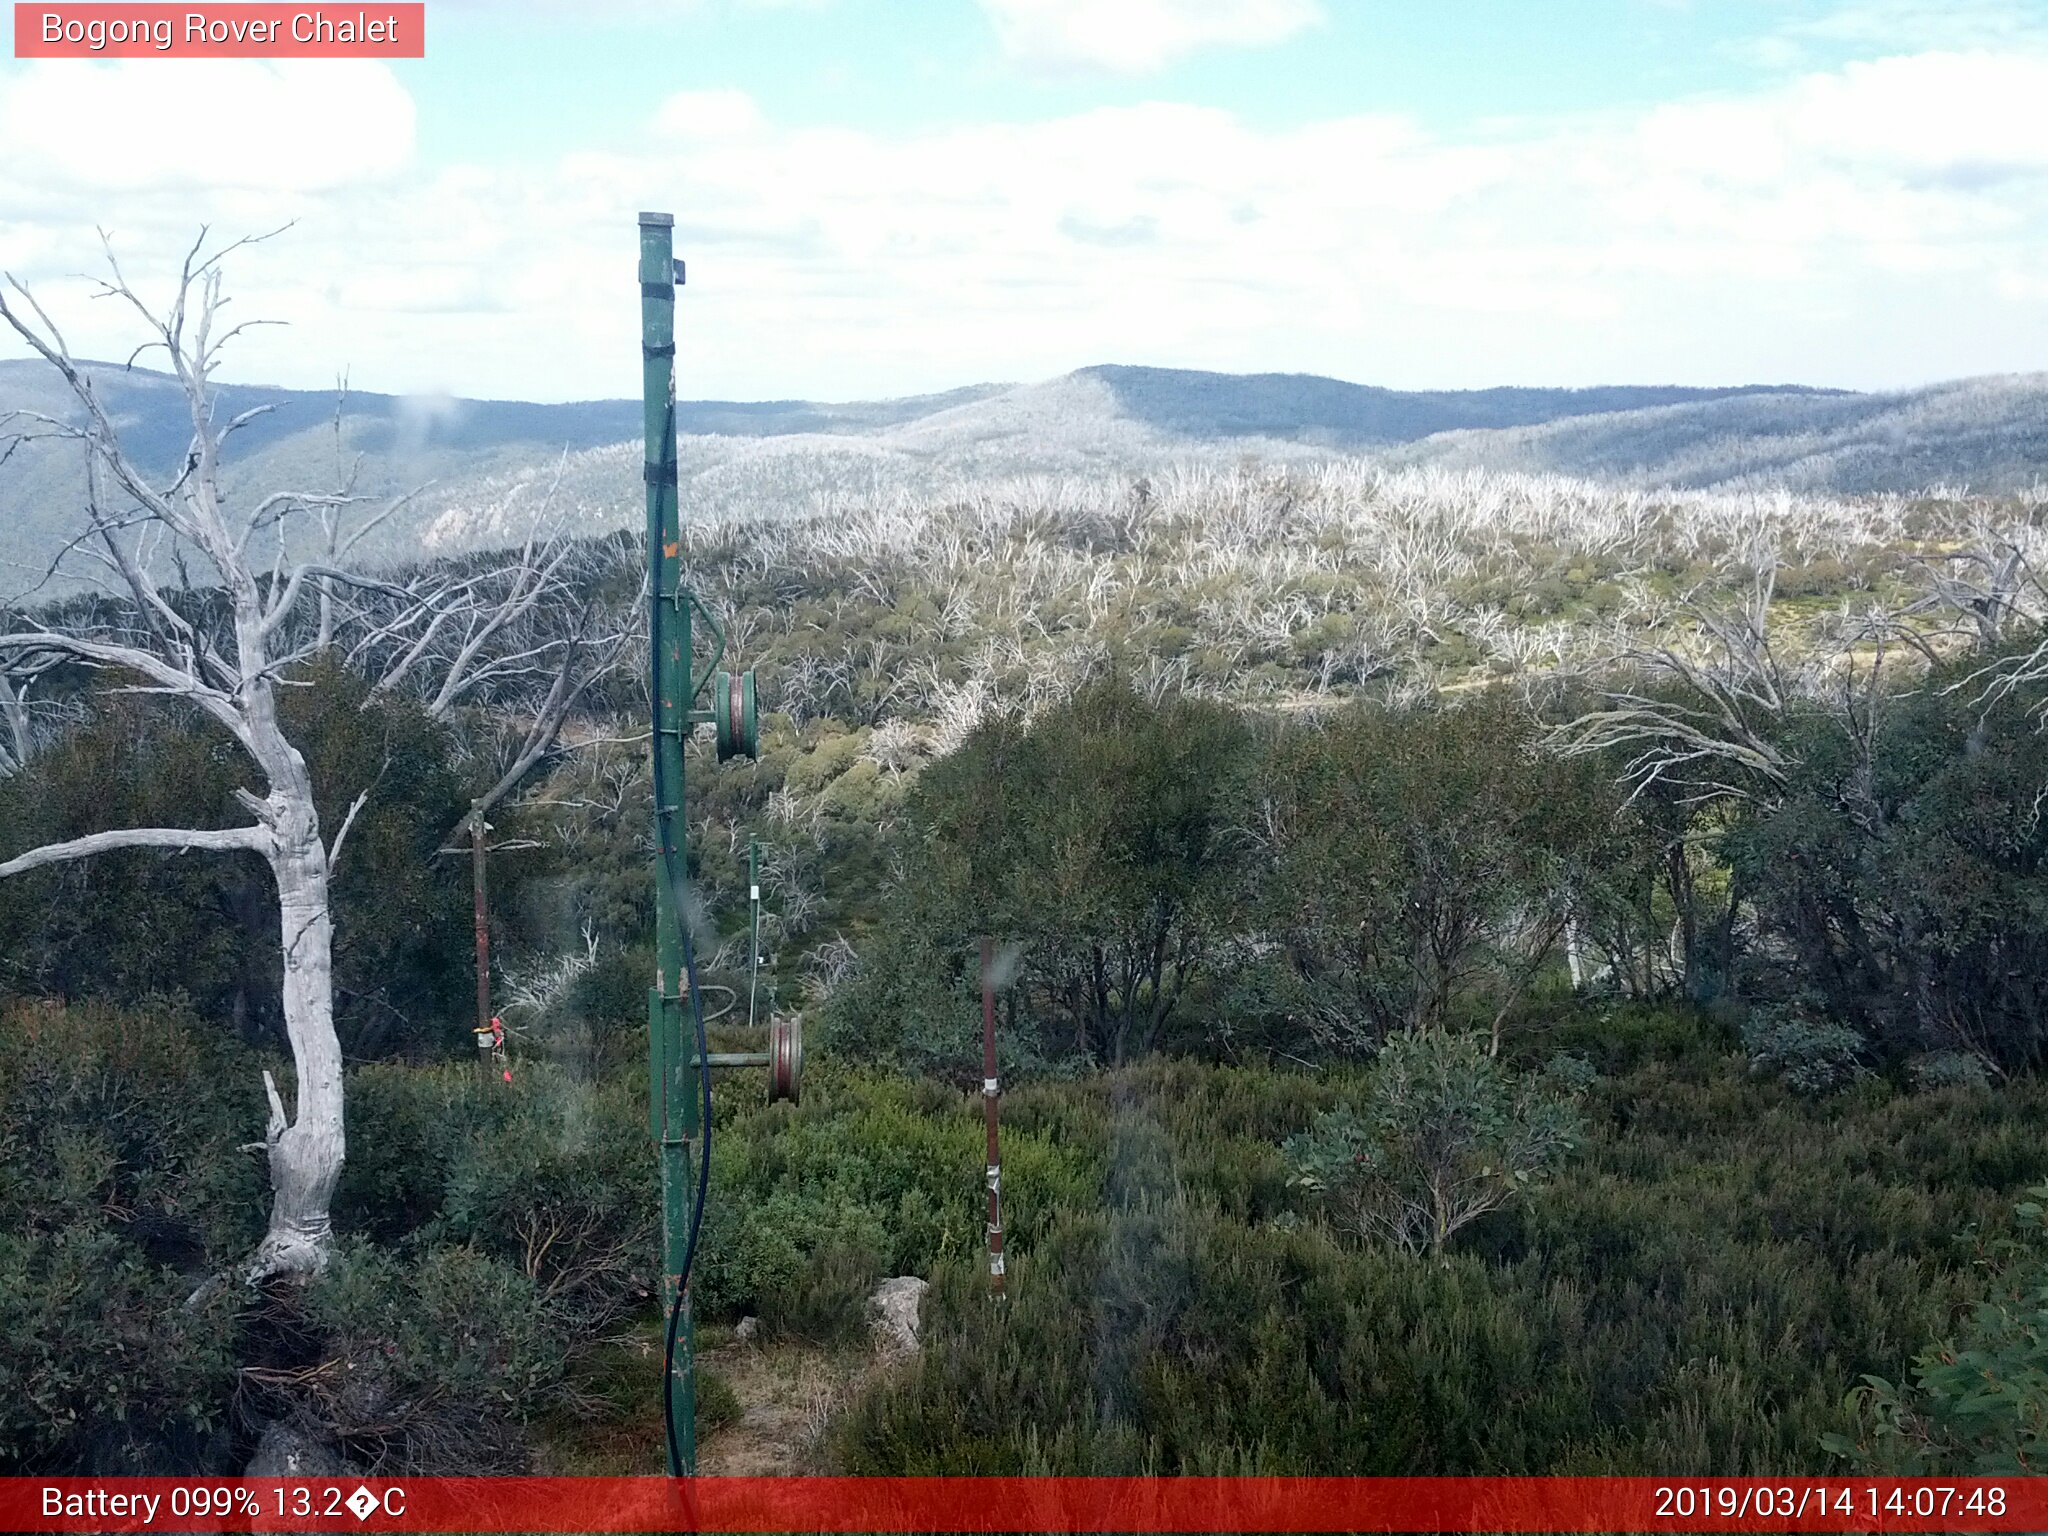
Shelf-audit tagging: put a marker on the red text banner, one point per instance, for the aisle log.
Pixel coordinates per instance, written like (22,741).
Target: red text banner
(220,31)
(1105,1504)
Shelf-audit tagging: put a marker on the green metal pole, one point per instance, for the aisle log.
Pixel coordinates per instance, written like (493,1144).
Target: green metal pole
(673,1105)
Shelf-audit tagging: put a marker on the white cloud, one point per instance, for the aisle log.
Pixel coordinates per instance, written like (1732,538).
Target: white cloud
(1931,113)
(1138,36)
(1772,236)
(1810,39)
(704,115)
(1913,25)
(301,125)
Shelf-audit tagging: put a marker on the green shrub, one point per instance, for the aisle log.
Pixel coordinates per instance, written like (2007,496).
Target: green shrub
(559,1181)
(1978,1402)
(104,1367)
(1814,1057)
(552,1175)
(429,1364)
(824,1300)
(121,1187)
(608,1006)
(871,1176)
(717,1404)
(1725,1260)
(405,1126)
(1950,1069)
(1443,1134)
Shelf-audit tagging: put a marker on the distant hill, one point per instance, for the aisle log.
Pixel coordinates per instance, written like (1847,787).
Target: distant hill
(1990,434)
(452,445)
(489,466)
(1309,408)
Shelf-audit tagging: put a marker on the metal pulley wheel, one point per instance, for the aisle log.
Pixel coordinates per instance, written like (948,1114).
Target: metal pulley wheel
(785,1059)
(733,711)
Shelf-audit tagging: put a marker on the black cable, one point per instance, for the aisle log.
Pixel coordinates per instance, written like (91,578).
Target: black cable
(672,887)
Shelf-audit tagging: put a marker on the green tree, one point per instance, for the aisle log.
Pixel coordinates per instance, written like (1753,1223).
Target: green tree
(1104,838)
(1903,875)
(1426,861)
(132,923)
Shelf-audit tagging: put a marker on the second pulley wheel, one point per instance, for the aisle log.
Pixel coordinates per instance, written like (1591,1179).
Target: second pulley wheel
(785,1059)
(734,713)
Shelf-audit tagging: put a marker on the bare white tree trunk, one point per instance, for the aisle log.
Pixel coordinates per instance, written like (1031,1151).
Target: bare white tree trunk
(14,734)
(306,1152)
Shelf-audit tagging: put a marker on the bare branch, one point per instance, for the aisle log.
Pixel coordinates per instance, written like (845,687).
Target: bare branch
(1717,746)
(227,840)
(279,1121)
(281,608)
(541,735)
(101,436)
(354,810)
(168,678)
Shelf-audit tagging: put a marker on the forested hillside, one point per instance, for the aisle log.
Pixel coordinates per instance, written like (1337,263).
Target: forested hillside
(1980,434)
(1657,870)
(478,474)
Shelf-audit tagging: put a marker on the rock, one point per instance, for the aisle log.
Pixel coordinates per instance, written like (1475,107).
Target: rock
(286,1450)
(893,1309)
(745,1330)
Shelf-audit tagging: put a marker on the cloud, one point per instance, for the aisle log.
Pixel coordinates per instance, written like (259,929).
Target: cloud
(699,116)
(1893,27)
(1929,113)
(300,125)
(1923,24)
(1881,223)
(1139,36)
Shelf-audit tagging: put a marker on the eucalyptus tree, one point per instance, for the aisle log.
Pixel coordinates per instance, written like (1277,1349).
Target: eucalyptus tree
(210,606)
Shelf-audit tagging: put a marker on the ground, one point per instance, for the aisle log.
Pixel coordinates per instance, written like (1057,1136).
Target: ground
(787,1393)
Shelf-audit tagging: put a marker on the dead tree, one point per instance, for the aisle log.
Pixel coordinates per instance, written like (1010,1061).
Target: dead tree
(1711,738)
(1985,588)
(1993,588)
(226,653)
(1711,735)
(18,674)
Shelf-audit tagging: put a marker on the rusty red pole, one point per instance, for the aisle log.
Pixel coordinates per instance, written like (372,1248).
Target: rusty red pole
(991,1091)
(483,932)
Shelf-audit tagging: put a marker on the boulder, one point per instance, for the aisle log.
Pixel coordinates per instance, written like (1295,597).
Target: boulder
(893,1310)
(288,1450)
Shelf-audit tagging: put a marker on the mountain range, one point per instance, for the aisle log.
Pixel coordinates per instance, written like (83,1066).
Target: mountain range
(486,469)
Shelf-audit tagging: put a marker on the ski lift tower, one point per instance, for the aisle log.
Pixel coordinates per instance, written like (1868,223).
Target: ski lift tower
(679,1061)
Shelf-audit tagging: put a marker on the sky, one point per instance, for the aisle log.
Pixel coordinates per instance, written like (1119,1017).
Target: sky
(888,197)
